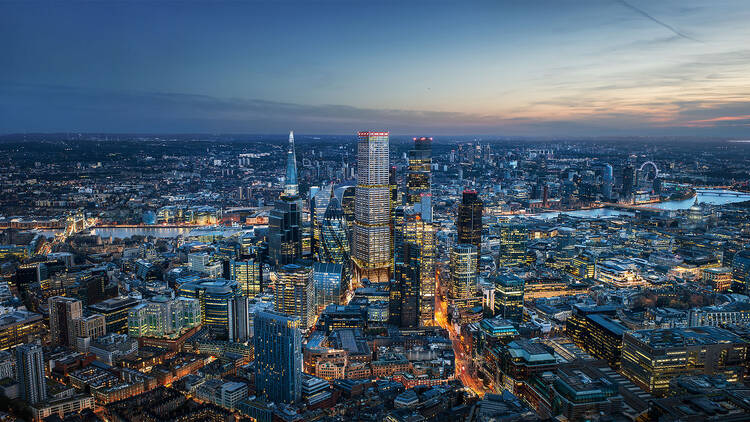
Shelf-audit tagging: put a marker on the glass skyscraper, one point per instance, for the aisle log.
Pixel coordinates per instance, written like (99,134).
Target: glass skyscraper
(741,272)
(284,221)
(371,249)
(294,293)
(463,274)
(407,282)
(509,291)
(214,296)
(417,229)
(248,274)
(334,240)
(278,357)
(513,238)
(328,284)
(418,175)
(469,222)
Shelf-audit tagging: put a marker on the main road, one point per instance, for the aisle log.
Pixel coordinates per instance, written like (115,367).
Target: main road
(464,368)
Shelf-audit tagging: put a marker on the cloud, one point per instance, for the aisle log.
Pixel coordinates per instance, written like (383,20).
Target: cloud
(49,108)
(657,21)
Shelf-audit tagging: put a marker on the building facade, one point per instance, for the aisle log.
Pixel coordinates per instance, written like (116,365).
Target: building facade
(463,275)
(285,220)
(278,357)
(371,250)
(294,293)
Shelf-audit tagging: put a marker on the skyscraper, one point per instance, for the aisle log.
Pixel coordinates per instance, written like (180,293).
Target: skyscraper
(30,373)
(294,293)
(372,236)
(509,291)
(463,274)
(284,221)
(469,222)
(334,240)
(607,181)
(239,319)
(408,282)
(513,239)
(214,296)
(328,285)
(418,175)
(628,180)
(318,205)
(278,356)
(62,312)
(248,274)
(741,272)
(414,226)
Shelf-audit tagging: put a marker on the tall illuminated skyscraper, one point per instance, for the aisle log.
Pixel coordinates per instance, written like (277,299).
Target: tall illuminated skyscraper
(372,234)
(513,239)
(214,296)
(469,222)
(414,226)
(318,205)
(509,291)
(334,240)
(294,293)
(463,274)
(418,175)
(278,357)
(248,274)
(408,285)
(284,221)
(328,285)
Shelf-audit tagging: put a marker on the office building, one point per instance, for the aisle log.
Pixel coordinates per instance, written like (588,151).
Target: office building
(284,221)
(719,279)
(320,198)
(328,285)
(418,176)
(371,248)
(62,312)
(30,373)
(652,358)
(407,282)
(513,237)
(469,221)
(741,271)
(413,224)
(162,317)
(115,311)
(584,392)
(240,327)
(509,297)
(214,297)
(294,294)
(20,327)
(278,357)
(222,393)
(595,330)
(87,329)
(114,347)
(463,275)
(248,274)
(334,240)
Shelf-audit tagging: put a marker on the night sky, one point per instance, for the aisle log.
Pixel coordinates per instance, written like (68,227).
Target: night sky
(515,68)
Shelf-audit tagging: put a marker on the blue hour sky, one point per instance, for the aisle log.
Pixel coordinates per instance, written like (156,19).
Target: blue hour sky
(509,68)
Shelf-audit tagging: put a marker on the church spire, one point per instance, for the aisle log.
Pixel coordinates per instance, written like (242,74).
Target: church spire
(291,187)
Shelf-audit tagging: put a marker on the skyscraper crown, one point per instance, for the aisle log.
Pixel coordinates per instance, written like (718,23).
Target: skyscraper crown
(291,186)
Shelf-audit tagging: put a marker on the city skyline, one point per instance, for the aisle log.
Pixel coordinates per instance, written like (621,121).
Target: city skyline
(618,68)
